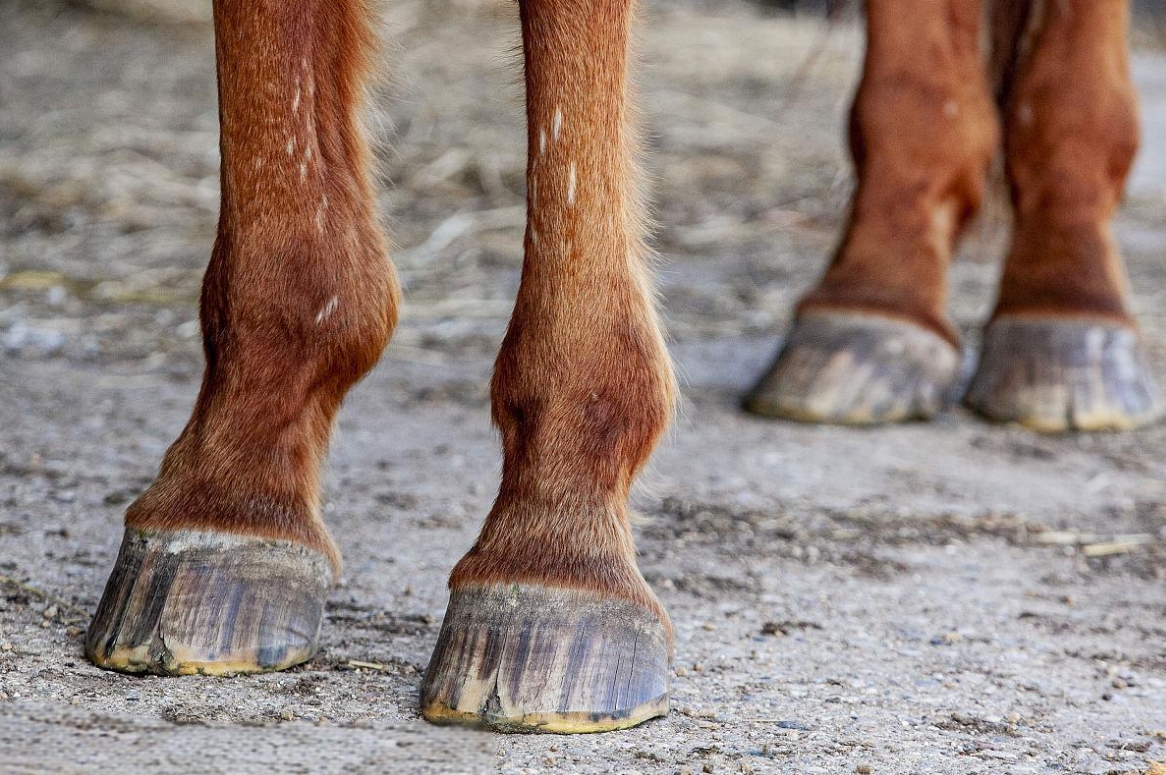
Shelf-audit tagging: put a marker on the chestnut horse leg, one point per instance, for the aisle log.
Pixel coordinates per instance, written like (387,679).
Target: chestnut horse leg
(226,563)
(550,625)
(1062,351)
(872,343)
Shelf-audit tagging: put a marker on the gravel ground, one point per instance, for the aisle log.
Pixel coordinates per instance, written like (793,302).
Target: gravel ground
(945,598)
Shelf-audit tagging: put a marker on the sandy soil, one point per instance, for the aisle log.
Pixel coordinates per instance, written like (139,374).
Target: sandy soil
(945,598)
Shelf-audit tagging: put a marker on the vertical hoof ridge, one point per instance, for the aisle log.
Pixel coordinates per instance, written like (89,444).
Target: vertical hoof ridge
(197,602)
(1059,374)
(522,658)
(857,369)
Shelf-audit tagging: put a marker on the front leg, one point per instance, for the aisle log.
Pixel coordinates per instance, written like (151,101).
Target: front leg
(226,562)
(550,625)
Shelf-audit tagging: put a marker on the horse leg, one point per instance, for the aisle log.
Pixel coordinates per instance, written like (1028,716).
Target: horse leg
(550,625)
(226,563)
(871,343)
(1061,351)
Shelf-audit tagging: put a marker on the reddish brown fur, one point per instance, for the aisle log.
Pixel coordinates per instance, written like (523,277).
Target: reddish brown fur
(1071,135)
(582,387)
(299,298)
(923,132)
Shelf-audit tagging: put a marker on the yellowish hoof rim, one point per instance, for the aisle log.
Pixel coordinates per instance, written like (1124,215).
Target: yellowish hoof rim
(522,658)
(850,368)
(190,602)
(1057,374)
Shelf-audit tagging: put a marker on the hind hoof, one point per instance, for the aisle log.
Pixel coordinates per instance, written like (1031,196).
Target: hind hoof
(857,369)
(1057,374)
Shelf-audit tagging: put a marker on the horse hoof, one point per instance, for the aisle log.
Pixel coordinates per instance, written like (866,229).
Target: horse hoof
(857,369)
(524,658)
(186,602)
(1059,374)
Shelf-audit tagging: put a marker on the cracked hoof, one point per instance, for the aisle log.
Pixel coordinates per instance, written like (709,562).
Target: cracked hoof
(857,369)
(197,602)
(1058,374)
(522,658)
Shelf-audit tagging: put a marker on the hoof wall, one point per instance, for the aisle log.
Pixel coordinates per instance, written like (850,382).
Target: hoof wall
(522,658)
(187,602)
(854,369)
(1063,375)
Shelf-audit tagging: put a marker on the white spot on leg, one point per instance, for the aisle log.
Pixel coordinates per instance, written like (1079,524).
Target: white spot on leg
(557,124)
(542,141)
(571,185)
(533,236)
(291,146)
(327,310)
(320,215)
(296,99)
(303,172)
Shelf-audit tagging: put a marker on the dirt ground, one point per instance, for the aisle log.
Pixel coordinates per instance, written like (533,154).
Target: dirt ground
(953,597)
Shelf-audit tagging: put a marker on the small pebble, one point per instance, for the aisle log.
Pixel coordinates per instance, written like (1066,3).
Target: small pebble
(864,769)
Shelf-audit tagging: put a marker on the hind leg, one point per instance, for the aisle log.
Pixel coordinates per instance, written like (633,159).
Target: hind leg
(226,563)
(871,343)
(1062,351)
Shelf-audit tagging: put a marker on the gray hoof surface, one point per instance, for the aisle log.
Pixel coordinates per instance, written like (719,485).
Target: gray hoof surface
(1056,374)
(199,602)
(523,658)
(857,369)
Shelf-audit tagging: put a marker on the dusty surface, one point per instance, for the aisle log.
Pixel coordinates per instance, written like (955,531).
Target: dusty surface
(918,599)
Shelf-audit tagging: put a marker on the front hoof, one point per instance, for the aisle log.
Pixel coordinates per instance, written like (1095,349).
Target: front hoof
(523,658)
(1058,374)
(857,369)
(188,602)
